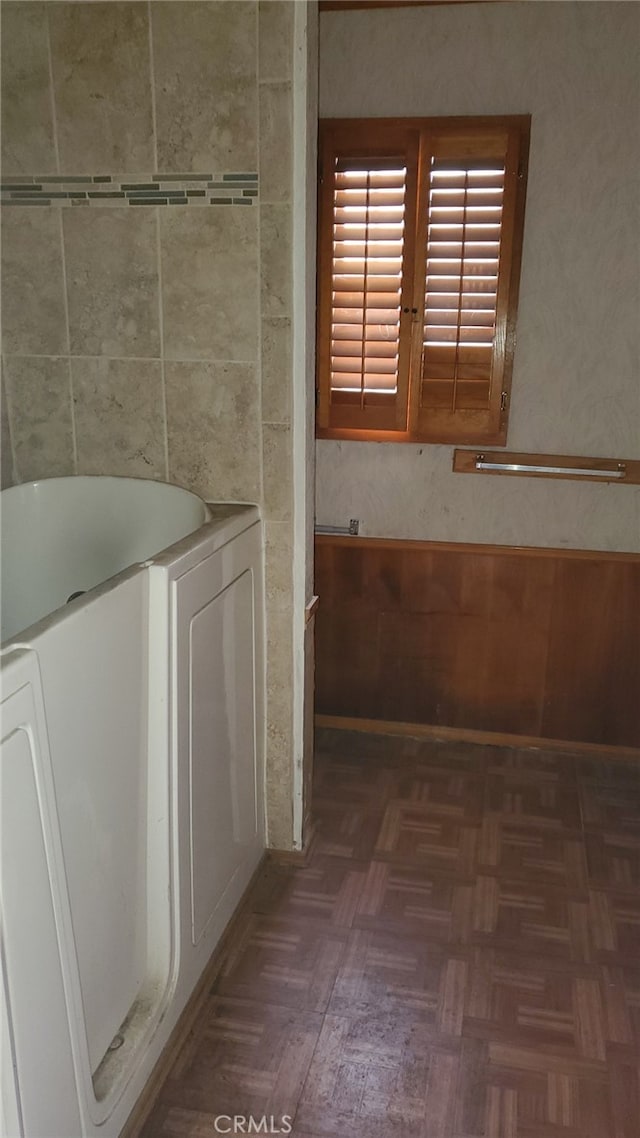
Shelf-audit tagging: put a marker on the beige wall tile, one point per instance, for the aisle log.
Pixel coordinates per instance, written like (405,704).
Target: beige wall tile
(101,73)
(275,261)
(279,793)
(27,111)
(39,397)
(208,112)
(213,428)
(277,471)
(209,282)
(119,416)
(278,565)
(279,759)
(112,281)
(276,369)
(7,473)
(33,311)
(275,33)
(276,109)
(205,79)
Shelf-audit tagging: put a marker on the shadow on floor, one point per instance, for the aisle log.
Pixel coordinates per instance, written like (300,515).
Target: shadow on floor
(457,957)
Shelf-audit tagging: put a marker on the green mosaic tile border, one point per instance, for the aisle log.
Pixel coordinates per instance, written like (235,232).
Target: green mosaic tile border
(130,189)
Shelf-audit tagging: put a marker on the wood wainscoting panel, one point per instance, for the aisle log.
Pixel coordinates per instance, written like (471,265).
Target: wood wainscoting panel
(592,685)
(542,643)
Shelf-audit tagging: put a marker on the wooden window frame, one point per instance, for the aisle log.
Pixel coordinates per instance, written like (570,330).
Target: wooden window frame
(401,418)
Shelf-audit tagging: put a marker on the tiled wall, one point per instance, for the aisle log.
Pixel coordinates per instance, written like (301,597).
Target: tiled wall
(155,341)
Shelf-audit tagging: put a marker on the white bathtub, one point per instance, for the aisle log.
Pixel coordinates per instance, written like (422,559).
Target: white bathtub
(131,781)
(65,535)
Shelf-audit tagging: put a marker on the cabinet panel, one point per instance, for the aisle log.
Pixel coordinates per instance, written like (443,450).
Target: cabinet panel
(94,677)
(222,745)
(217,653)
(42,1091)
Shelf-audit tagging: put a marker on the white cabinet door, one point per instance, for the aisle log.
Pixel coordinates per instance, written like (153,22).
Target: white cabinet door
(216,631)
(39,1089)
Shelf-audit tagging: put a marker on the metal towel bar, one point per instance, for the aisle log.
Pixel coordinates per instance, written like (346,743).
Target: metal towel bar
(600,468)
(522,468)
(351,530)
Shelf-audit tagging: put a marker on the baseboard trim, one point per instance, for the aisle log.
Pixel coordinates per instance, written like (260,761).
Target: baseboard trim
(476,548)
(294,857)
(469,735)
(197,999)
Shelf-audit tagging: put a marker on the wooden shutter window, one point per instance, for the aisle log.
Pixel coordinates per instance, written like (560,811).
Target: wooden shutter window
(420,238)
(469,232)
(368,242)
(367,209)
(461,294)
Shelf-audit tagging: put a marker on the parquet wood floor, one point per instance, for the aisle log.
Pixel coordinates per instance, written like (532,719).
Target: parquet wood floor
(458,957)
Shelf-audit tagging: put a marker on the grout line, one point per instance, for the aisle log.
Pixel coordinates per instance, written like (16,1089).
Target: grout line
(152,81)
(69,357)
(15,473)
(259,376)
(65,297)
(139,359)
(54,116)
(63,259)
(74,435)
(162,348)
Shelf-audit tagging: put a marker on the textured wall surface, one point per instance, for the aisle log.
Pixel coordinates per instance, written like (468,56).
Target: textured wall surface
(576,382)
(147,330)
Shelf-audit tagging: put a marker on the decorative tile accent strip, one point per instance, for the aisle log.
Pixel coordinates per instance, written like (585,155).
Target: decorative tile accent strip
(128,189)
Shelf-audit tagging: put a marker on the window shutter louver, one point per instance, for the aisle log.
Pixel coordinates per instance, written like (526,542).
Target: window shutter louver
(461,294)
(367,212)
(368,240)
(462,352)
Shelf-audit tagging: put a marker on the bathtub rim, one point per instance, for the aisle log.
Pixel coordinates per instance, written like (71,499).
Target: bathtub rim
(136,517)
(77,481)
(226,520)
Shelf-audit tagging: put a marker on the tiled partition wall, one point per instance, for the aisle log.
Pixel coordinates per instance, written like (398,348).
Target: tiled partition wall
(146,274)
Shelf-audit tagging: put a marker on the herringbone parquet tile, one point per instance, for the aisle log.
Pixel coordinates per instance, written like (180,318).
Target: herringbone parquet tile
(516,850)
(611,807)
(245,1058)
(284,962)
(534,799)
(614,861)
(458,956)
